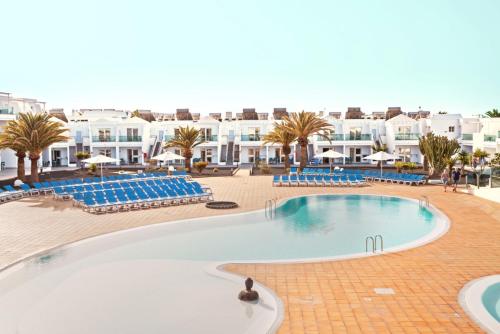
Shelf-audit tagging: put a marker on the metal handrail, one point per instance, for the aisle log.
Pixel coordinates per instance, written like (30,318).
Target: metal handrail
(378,236)
(366,244)
(270,208)
(374,243)
(423,201)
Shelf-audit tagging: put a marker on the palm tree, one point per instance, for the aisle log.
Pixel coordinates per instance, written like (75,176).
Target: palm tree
(493,113)
(280,135)
(439,150)
(480,155)
(8,139)
(464,158)
(305,124)
(37,132)
(186,139)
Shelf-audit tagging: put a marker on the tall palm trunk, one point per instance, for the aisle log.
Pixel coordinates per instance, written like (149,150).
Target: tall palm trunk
(34,168)
(426,164)
(21,174)
(303,153)
(187,163)
(286,153)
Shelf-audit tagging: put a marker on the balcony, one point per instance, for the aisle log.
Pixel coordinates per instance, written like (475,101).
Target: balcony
(103,139)
(333,137)
(352,136)
(209,138)
(490,138)
(168,137)
(466,136)
(255,137)
(130,138)
(407,136)
(6,111)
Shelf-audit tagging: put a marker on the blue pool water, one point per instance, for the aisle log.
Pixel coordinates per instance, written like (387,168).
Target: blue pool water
(144,280)
(491,300)
(304,227)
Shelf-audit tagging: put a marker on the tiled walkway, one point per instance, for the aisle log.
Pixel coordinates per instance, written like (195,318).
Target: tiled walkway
(327,297)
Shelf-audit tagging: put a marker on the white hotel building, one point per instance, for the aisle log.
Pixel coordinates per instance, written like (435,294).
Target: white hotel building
(235,138)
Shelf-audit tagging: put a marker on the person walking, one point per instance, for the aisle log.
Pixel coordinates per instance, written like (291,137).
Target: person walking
(445,179)
(456,179)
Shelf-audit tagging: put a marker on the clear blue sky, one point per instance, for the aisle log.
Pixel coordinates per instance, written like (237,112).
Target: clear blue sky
(226,55)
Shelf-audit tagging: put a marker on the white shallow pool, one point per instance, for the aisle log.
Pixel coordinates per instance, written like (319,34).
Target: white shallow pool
(480,299)
(164,278)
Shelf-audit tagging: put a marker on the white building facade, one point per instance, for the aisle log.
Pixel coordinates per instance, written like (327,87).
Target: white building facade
(230,140)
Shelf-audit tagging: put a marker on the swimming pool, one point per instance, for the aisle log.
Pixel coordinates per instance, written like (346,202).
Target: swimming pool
(119,282)
(491,300)
(480,299)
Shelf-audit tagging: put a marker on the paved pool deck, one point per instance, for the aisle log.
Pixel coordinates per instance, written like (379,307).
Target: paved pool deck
(324,297)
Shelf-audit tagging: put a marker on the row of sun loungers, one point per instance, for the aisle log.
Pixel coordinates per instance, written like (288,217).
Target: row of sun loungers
(9,193)
(137,195)
(48,187)
(408,179)
(367,175)
(318,180)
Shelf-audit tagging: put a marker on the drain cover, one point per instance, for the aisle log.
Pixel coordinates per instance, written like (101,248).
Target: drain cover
(384,291)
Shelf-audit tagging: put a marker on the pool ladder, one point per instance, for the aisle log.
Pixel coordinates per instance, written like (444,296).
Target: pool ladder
(423,202)
(270,208)
(374,243)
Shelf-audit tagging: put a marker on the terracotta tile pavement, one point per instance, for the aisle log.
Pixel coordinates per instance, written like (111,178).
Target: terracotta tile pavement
(325,297)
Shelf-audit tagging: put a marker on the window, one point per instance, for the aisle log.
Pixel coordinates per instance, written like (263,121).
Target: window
(254,134)
(106,152)
(104,134)
(206,155)
(253,154)
(206,134)
(405,153)
(355,154)
(178,152)
(355,133)
(451,129)
(133,156)
(132,134)
(278,154)
(404,129)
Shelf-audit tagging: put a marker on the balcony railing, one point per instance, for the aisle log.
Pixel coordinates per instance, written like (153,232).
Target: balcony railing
(103,139)
(407,136)
(466,136)
(209,138)
(333,137)
(6,111)
(352,136)
(130,138)
(168,137)
(490,138)
(254,137)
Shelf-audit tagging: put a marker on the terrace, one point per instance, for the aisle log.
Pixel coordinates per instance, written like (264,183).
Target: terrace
(251,137)
(467,136)
(130,138)
(490,138)
(323,296)
(103,139)
(407,136)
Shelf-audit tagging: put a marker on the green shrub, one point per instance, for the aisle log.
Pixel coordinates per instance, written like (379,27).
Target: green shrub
(82,155)
(401,165)
(200,166)
(265,169)
(92,168)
